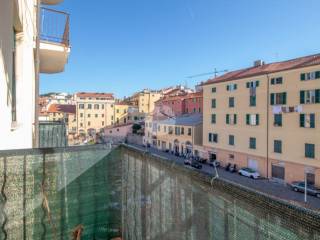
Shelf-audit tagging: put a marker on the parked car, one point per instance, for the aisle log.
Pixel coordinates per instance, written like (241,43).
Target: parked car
(202,160)
(187,162)
(300,187)
(249,172)
(233,168)
(196,164)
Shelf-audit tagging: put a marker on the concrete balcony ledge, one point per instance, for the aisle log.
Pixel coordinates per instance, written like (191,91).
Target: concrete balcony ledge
(51,2)
(53,57)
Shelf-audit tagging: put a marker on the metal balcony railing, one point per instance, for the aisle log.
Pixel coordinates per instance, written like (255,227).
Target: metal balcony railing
(54,26)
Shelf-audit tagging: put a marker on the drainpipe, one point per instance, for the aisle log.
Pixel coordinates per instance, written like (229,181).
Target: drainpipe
(267,110)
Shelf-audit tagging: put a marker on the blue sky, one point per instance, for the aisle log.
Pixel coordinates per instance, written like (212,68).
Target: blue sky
(123,46)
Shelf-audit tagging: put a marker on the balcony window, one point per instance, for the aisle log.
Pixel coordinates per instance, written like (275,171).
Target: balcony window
(307,120)
(177,131)
(276,81)
(96,106)
(213,103)
(81,106)
(231,87)
(214,90)
(231,119)
(310,76)
(189,131)
(252,119)
(253,101)
(213,118)
(89,106)
(310,96)
(253,84)
(278,98)
(277,120)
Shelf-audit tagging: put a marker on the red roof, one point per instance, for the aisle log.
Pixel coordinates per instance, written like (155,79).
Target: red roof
(62,108)
(267,69)
(95,95)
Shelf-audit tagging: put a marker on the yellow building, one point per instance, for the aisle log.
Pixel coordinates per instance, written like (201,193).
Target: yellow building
(266,117)
(94,112)
(177,135)
(144,100)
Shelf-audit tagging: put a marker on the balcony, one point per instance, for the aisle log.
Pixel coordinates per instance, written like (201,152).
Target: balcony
(54,40)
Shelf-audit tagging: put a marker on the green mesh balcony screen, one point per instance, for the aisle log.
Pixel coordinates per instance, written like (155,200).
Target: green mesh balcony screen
(52,135)
(46,194)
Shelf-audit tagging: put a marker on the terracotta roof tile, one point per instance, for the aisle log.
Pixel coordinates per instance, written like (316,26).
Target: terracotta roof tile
(62,108)
(99,95)
(267,69)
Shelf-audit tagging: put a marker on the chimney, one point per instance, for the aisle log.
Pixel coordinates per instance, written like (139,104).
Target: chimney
(258,63)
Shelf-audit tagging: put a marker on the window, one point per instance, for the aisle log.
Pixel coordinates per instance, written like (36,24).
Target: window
(278,98)
(277,120)
(252,143)
(231,140)
(253,84)
(307,120)
(96,106)
(310,96)
(277,146)
(231,119)
(81,114)
(89,123)
(252,119)
(159,128)
(96,115)
(231,87)
(81,106)
(213,137)
(214,89)
(89,115)
(309,150)
(89,106)
(253,101)
(177,131)
(102,123)
(102,106)
(310,76)
(165,128)
(170,130)
(213,118)
(189,131)
(231,101)
(213,103)
(102,115)
(81,124)
(117,110)
(182,130)
(276,81)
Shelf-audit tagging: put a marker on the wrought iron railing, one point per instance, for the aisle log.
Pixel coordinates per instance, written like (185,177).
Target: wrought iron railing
(54,26)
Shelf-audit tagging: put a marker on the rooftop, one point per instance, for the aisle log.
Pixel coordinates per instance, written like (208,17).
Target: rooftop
(184,120)
(267,69)
(62,108)
(95,95)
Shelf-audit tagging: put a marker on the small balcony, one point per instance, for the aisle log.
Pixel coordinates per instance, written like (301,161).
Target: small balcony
(54,40)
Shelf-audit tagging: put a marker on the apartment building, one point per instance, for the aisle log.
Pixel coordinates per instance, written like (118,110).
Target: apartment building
(144,100)
(176,105)
(27,49)
(65,113)
(266,117)
(94,112)
(177,135)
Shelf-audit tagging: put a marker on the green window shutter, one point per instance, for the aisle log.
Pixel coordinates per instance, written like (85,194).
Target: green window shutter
(284,98)
(235,87)
(248,84)
(272,98)
(248,119)
(235,118)
(302,100)
(227,119)
(309,150)
(257,119)
(257,83)
(228,88)
(272,81)
(302,117)
(303,76)
(317,74)
(312,120)
(317,95)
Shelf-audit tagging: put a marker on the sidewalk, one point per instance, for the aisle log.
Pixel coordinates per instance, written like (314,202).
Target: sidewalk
(263,185)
